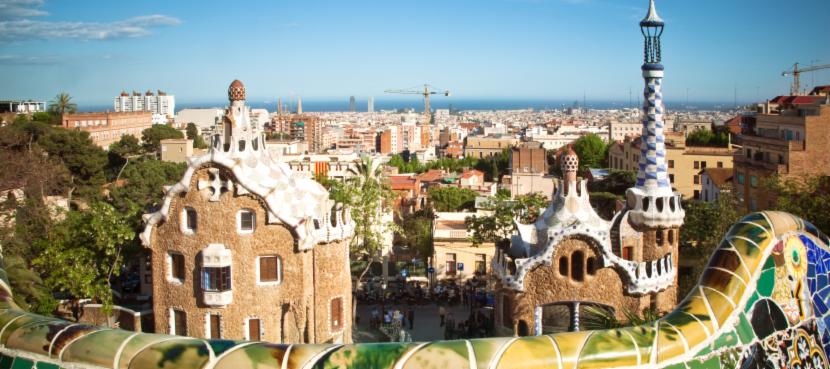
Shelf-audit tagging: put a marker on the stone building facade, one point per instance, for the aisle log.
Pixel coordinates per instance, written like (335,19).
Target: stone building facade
(788,139)
(107,127)
(243,248)
(571,261)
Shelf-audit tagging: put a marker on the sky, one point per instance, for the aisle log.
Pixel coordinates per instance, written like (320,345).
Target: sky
(477,49)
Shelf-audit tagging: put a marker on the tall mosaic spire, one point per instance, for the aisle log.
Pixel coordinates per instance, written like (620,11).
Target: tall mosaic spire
(653,175)
(656,204)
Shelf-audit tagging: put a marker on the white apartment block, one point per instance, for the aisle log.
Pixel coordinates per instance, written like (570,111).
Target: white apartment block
(160,104)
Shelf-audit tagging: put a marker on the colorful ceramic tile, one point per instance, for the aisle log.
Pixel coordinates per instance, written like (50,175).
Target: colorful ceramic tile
(97,348)
(532,352)
(253,356)
(180,353)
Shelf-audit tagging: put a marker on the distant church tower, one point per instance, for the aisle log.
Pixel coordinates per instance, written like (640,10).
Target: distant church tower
(654,209)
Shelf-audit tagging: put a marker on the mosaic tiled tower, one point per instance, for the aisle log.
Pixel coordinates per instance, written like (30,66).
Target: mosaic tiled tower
(653,202)
(654,209)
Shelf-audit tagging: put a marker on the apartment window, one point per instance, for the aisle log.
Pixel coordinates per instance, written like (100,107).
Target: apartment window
(254,330)
(190,220)
(176,265)
(246,221)
(697,164)
(216,279)
(720,164)
(753,181)
(671,163)
(270,269)
(741,178)
(697,194)
(671,178)
(179,322)
(703,165)
(697,179)
(214,323)
(481,264)
(336,314)
(450,264)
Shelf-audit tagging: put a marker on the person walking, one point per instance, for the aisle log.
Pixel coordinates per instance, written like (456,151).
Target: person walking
(442,312)
(410,315)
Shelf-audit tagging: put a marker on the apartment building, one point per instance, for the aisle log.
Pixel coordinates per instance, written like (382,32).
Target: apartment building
(454,256)
(684,162)
(789,139)
(107,127)
(486,146)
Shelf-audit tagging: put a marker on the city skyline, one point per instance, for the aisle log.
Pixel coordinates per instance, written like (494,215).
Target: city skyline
(512,49)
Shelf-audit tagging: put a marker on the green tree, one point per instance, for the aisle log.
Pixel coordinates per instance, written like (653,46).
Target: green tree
(499,226)
(85,253)
(26,284)
(193,134)
(142,192)
(152,136)
(368,198)
(706,137)
(84,160)
(417,234)
(617,182)
(807,197)
(62,104)
(125,147)
(704,226)
(592,152)
(452,198)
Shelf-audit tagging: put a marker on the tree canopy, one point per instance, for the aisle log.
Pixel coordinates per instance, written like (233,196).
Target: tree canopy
(62,104)
(452,198)
(152,136)
(708,138)
(84,253)
(192,133)
(807,197)
(499,226)
(592,152)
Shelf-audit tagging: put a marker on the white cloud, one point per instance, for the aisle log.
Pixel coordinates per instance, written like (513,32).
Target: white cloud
(12,9)
(30,59)
(16,25)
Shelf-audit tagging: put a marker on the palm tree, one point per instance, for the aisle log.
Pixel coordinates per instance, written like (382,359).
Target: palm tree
(62,104)
(26,284)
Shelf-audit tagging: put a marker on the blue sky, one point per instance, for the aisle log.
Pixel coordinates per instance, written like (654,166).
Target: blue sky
(510,49)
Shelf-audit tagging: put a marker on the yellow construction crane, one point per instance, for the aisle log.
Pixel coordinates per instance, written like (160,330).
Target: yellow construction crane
(426,92)
(796,73)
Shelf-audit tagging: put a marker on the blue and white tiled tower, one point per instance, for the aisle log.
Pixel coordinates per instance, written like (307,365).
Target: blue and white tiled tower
(653,203)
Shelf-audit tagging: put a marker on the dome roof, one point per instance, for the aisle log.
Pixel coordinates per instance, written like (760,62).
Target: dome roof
(569,161)
(236,91)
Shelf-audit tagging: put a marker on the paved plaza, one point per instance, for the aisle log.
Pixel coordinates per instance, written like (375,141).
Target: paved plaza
(427,325)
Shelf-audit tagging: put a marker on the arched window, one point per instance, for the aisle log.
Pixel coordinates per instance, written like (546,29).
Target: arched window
(578,266)
(671,237)
(591,265)
(241,145)
(563,266)
(659,238)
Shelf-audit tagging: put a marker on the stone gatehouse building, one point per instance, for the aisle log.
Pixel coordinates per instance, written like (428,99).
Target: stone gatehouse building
(242,248)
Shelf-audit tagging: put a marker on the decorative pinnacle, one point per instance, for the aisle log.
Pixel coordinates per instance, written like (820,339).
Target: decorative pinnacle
(652,19)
